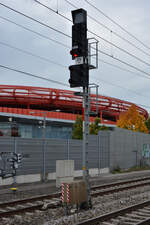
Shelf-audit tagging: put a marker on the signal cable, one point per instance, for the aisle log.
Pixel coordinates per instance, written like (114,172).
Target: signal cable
(113,21)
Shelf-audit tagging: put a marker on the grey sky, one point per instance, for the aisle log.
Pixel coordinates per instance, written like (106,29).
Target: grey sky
(133,15)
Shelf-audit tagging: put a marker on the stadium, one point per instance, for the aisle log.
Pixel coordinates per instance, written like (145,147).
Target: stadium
(26,110)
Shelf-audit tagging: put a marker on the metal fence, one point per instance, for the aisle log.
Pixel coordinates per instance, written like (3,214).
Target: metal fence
(40,155)
(110,149)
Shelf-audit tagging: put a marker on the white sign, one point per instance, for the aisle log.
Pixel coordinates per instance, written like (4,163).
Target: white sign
(79,60)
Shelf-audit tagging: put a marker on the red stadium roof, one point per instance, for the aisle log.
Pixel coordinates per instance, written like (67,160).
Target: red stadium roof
(23,99)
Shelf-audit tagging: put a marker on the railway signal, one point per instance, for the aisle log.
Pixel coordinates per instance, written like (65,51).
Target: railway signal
(82,53)
(79,77)
(79,73)
(79,34)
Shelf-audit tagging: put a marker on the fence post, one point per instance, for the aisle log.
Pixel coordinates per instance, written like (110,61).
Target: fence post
(68,149)
(15,151)
(98,154)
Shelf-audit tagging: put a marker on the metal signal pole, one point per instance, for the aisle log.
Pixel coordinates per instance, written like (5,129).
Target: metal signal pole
(82,52)
(85,168)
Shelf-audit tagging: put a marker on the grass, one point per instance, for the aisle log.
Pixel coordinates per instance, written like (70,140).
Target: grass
(132,169)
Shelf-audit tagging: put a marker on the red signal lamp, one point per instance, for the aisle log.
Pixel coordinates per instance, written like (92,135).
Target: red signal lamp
(75,55)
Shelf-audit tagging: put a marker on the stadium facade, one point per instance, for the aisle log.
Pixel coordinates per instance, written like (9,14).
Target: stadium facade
(35,112)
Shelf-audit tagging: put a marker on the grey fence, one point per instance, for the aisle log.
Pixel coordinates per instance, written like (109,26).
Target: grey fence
(119,147)
(40,155)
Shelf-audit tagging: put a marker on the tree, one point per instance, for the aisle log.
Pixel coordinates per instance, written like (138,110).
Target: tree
(132,120)
(77,132)
(93,128)
(147,124)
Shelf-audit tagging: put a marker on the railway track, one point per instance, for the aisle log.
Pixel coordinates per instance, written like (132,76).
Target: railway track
(43,202)
(138,214)
(28,205)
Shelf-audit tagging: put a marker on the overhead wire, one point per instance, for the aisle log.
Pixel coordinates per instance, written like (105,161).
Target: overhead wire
(56,30)
(113,21)
(31,54)
(43,58)
(66,46)
(32,75)
(110,30)
(29,74)
(114,46)
(112,84)
(35,32)
(35,20)
(43,78)
(121,87)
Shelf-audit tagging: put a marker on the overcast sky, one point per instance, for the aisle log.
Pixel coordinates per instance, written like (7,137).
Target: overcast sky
(133,15)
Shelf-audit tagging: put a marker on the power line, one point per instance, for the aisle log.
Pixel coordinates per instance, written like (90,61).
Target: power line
(115,58)
(39,77)
(127,89)
(122,28)
(42,58)
(121,87)
(123,69)
(35,20)
(98,36)
(110,30)
(31,54)
(33,75)
(35,32)
(49,8)
(66,46)
(121,49)
(123,62)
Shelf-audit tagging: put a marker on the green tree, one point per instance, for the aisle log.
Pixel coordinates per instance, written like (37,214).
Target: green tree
(77,132)
(93,128)
(147,124)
